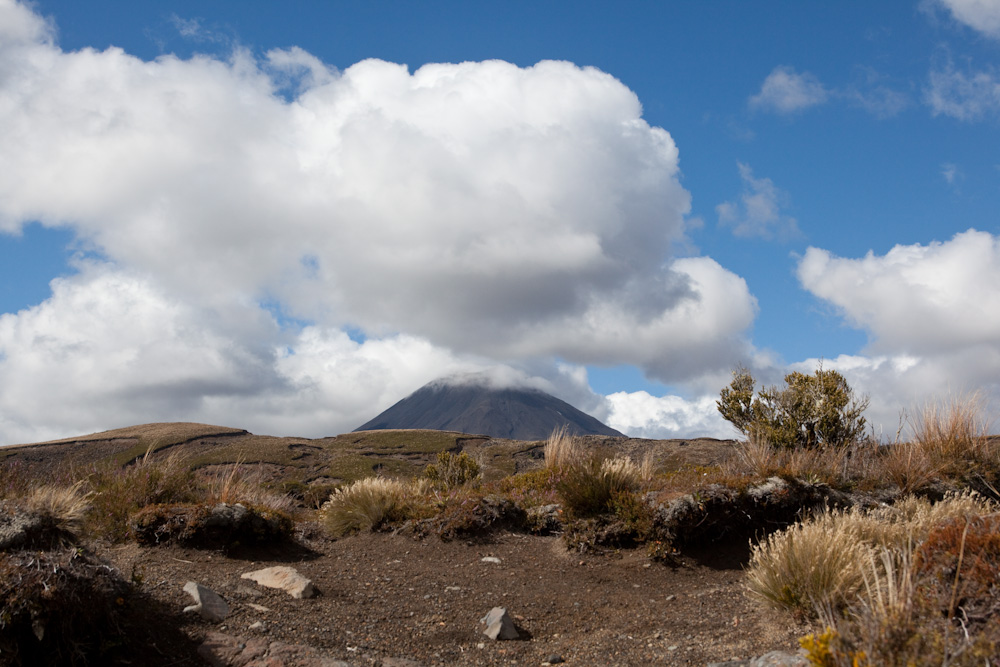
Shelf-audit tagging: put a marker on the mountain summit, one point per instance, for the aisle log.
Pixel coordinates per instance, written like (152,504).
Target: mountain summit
(471,405)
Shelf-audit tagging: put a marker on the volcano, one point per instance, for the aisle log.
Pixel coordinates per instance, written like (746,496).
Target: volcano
(476,407)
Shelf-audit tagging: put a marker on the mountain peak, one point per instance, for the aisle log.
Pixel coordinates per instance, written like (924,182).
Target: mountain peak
(484,404)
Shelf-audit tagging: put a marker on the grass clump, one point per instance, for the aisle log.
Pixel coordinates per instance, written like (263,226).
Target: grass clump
(119,492)
(453,471)
(370,504)
(589,486)
(820,563)
(911,584)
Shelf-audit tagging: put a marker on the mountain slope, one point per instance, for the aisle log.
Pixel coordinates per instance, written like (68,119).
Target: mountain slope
(517,414)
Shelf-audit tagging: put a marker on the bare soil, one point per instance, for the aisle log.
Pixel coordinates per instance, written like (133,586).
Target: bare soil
(395,596)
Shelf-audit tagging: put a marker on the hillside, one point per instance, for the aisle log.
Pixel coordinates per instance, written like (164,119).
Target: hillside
(332,460)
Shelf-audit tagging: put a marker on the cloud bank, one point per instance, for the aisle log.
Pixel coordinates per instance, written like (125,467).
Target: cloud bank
(275,243)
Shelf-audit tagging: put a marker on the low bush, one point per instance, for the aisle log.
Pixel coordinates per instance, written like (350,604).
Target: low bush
(453,470)
(220,526)
(119,492)
(809,411)
(473,514)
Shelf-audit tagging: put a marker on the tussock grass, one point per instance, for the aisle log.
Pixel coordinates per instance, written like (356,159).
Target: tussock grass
(836,466)
(953,430)
(119,492)
(61,509)
(563,450)
(909,467)
(818,566)
(371,503)
(588,487)
(238,484)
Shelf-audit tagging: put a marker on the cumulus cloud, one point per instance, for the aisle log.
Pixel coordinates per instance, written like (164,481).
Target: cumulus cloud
(932,313)
(917,298)
(643,415)
(110,349)
(786,91)
(981,15)
(471,211)
(966,96)
(758,212)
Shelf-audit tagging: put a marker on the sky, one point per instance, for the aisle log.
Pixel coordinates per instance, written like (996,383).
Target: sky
(285,217)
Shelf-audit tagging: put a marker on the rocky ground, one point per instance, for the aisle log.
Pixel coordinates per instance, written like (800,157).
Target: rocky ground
(390,599)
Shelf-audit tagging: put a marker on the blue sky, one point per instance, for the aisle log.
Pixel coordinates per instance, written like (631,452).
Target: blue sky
(287,217)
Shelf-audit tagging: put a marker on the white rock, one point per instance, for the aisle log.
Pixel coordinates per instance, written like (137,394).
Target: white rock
(499,624)
(285,578)
(206,602)
(490,559)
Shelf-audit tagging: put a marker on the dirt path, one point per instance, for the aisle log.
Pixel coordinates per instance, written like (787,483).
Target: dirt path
(396,596)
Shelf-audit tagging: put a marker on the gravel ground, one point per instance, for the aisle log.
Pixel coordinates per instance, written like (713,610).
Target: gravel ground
(384,596)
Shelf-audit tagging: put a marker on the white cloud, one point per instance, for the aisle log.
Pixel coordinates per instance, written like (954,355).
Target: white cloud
(786,91)
(758,213)
(980,15)
(110,349)
(964,96)
(932,313)
(919,298)
(642,415)
(472,211)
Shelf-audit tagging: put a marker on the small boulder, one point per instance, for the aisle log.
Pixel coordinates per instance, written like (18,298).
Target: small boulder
(499,624)
(207,602)
(283,577)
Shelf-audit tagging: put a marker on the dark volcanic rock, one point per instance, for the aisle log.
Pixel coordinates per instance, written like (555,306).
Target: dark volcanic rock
(517,414)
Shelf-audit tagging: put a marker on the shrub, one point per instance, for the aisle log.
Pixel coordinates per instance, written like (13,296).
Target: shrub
(452,471)
(369,504)
(210,526)
(472,514)
(812,410)
(532,488)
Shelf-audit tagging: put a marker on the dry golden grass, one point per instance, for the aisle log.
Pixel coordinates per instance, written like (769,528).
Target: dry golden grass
(371,503)
(63,509)
(818,566)
(563,450)
(908,466)
(953,430)
(836,466)
(239,484)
